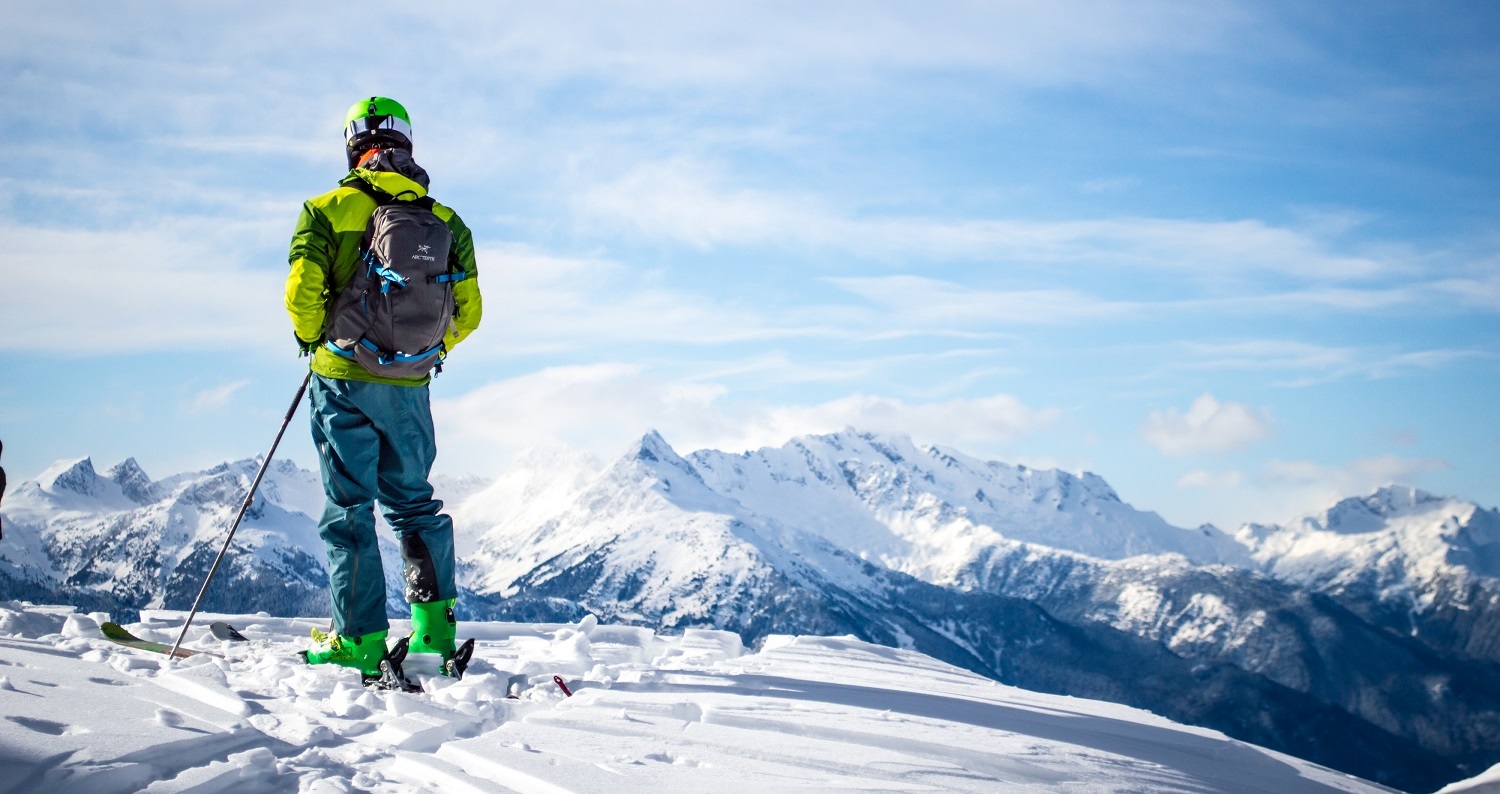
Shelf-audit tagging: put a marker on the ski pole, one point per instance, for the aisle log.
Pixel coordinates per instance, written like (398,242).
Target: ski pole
(249,497)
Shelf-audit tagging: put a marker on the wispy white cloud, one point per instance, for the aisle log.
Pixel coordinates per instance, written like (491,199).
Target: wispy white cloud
(682,44)
(1279,490)
(1207,427)
(1232,478)
(176,286)
(537,302)
(603,407)
(923,304)
(215,398)
(597,407)
(247,145)
(1114,185)
(1384,364)
(161,72)
(672,201)
(1480,292)
(1295,364)
(1284,489)
(983,422)
(1255,355)
(685,202)
(1357,476)
(929,302)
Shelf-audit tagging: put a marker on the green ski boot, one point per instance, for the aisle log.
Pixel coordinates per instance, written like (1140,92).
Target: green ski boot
(378,668)
(362,653)
(433,629)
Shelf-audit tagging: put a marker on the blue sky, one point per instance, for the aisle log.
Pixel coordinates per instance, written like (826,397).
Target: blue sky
(1240,259)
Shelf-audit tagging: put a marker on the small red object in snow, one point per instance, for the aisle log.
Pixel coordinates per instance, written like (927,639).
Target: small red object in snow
(557,679)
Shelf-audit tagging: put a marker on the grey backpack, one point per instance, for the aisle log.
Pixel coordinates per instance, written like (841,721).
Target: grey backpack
(392,316)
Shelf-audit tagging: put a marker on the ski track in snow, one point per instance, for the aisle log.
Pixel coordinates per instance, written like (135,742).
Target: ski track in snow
(691,713)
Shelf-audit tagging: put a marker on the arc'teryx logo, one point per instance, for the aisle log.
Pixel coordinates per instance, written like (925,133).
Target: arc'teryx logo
(421,250)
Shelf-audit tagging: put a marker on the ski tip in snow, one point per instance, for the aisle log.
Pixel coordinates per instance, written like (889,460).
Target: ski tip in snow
(118,634)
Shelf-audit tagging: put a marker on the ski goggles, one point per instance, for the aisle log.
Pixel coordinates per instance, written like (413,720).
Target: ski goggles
(375,124)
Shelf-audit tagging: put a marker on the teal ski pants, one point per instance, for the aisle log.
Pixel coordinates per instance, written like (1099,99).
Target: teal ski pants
(375,443)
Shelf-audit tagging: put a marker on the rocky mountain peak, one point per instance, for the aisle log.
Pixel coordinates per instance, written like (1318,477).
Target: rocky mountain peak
(652,447)
(132,479)
(654,454)
(71,476)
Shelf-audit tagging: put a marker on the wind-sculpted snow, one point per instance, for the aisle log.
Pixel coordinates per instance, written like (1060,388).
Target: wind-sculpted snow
(649,713)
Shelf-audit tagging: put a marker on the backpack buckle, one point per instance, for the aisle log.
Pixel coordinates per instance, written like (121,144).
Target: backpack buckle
(389,277)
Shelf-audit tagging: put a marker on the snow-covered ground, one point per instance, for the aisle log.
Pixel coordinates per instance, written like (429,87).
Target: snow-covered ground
(690,713)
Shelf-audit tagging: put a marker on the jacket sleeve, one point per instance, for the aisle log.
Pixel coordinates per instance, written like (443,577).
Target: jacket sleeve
(311,258)
(468,306)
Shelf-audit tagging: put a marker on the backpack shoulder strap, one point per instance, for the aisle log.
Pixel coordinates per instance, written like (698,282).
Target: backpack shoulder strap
(382,198)
(366,188)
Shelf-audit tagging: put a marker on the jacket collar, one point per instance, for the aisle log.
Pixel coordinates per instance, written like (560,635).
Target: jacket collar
(392,171)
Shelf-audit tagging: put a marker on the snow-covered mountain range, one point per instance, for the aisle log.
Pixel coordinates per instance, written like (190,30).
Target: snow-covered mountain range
(121,540)
(1363,637)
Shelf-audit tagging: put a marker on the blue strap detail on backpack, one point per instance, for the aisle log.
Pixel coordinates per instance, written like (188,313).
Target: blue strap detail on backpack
(449,278)
(389,277)
(391,358)
(338,351)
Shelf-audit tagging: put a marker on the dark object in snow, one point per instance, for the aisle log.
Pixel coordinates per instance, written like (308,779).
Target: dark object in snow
(226,632)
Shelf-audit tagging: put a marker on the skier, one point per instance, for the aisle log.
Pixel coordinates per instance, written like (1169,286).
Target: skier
(2,490)
(371,419)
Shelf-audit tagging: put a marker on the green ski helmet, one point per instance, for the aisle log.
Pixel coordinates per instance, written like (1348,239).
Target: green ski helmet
(376,122)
